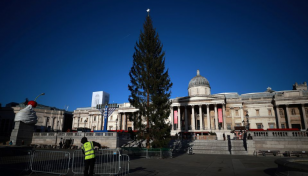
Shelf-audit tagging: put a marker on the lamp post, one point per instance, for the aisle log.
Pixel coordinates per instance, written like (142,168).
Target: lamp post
(39,95)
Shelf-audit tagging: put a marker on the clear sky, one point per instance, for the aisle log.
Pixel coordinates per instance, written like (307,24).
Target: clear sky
(70,48)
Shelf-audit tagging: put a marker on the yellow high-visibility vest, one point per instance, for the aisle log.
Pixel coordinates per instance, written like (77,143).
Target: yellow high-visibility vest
(88,150)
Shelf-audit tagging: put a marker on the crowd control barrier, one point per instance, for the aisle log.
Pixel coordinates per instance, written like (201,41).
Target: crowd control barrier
(107,161)
(124,165)
(15,161)
(52,162)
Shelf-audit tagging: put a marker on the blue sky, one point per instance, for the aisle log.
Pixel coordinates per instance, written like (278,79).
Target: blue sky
(70,48)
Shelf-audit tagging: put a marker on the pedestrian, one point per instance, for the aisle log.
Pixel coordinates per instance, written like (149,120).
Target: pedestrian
(22,142)
(60,144)
(88,150)
(11,143)
(224,136)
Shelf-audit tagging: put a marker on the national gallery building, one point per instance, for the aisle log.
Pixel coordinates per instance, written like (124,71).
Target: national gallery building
(202,112)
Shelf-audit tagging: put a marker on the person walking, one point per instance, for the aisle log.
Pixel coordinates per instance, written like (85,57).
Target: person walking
(88,150)
(60,144)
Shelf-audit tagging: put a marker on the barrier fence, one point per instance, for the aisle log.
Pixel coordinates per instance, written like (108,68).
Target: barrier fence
(52,162)
(15,161)
(148,153)
(124,161)
(108,161)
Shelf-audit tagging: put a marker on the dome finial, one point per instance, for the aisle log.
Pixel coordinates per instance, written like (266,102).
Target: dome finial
(198,73)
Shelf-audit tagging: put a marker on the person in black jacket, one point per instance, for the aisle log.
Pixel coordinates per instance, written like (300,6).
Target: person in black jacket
(88,151)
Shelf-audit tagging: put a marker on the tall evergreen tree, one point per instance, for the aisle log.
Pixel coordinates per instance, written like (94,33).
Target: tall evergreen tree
(150,88)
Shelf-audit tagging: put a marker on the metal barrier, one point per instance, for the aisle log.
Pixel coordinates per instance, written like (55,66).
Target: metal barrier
(15,161)
(124,161)
(52,162)
(107,161)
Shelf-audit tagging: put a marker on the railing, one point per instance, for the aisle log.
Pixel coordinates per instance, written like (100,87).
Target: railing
(17,161)
(278,134)
(71,134)
(52,162)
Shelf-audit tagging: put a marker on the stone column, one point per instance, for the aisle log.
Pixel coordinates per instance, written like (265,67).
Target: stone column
(208,116)
(171,119)
(186,125)
(53,123)
(278,125)
(193,117)
(120,121)
(242,115)
(216,119)
(224,117)
(179,118)
(304,117)
(288,116)
(201,117)
(232,118)
(124,121)
(133,118)
(101,121)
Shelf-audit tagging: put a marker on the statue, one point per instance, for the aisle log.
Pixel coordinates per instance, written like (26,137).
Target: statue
(27,115)
(25,121)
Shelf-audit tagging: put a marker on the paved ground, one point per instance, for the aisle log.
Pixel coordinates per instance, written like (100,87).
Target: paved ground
(210,165)
(184,164)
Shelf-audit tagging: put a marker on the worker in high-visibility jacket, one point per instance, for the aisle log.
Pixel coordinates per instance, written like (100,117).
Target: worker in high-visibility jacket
(88,151)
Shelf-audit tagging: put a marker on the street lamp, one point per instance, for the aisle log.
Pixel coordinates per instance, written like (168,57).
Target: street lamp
(39,95)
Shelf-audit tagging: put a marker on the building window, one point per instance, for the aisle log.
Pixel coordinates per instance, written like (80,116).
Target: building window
(236,113)
(283,126)
(110,127)
(281,112)
(229,126)
(94,118)
(271,125)
(259,126)
(293,111)
(269,112)
(257,112)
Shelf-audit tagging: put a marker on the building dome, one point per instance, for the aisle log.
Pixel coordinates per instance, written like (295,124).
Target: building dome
(199,86)
(198,81)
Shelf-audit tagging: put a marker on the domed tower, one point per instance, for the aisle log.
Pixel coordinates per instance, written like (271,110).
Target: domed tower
(199,85)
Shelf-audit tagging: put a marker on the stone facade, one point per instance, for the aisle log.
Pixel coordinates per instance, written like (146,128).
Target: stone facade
(202,112)
(49,119)
(110,139)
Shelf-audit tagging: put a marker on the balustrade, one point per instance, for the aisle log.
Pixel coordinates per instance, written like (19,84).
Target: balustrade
(279,134)
(71,134)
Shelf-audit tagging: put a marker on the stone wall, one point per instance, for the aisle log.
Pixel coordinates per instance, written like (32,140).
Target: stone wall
(280,140)
(109,139)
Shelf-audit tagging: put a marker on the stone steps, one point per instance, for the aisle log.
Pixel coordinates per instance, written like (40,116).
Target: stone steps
(218,147)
